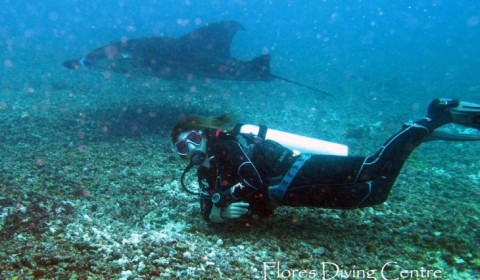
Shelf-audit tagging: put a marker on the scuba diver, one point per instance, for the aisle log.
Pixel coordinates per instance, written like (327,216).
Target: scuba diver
(244,173)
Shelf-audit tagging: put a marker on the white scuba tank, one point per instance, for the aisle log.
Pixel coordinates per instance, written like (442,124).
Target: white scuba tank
(298,143)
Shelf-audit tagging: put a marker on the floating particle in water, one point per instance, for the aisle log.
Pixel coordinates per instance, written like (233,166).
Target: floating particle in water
(473,21)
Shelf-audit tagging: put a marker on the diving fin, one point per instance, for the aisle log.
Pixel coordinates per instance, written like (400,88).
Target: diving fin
(467,114)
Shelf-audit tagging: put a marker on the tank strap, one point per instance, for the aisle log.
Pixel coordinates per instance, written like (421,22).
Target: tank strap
(236,129)
(276,192)
(262,131)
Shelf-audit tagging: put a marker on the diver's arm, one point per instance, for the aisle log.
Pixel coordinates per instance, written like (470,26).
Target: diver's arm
(216,213)
(234,193)
(230,152)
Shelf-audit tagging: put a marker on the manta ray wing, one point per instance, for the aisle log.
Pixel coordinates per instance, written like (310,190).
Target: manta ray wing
(214,39)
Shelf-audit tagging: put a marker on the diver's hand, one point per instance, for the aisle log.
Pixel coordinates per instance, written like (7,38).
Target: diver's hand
(234,210)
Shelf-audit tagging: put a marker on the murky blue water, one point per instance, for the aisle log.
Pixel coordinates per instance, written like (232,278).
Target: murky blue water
(429,41)
(96,144)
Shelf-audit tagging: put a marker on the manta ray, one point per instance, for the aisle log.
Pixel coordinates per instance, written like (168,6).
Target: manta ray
(204,53)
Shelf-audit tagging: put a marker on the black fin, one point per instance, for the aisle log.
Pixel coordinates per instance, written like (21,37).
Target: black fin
(261,66)
(215,38)
(447,136)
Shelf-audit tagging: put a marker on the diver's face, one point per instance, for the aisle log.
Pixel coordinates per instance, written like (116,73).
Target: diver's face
(190,141)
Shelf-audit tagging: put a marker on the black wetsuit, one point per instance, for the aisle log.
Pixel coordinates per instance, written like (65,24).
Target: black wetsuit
(341,182)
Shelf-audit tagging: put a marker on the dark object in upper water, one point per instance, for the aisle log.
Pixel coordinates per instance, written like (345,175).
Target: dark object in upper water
(202,53)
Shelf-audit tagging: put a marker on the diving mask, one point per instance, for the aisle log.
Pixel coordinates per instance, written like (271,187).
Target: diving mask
(188,143)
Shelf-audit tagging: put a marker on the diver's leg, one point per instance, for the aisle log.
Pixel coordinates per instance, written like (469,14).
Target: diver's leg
(389,159)
(351,182)
(346,196)
(331,182)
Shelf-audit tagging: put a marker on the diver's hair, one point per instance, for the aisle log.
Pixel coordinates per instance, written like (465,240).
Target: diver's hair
(188,123)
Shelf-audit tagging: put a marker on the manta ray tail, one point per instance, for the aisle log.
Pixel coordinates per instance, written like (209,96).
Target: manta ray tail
(260,66)
(300,84)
